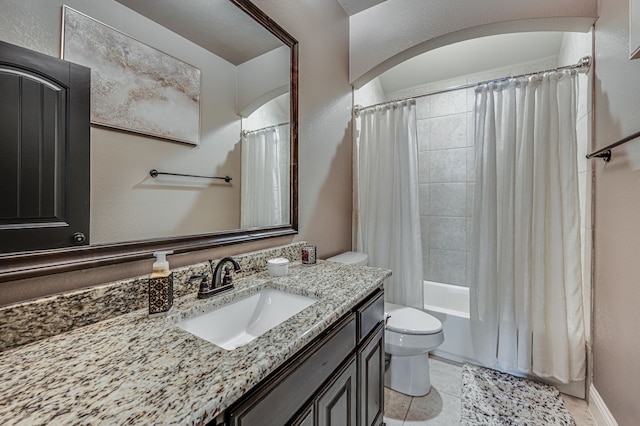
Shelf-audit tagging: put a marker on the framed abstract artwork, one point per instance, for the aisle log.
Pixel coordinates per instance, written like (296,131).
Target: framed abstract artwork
(634,29)
(134,87)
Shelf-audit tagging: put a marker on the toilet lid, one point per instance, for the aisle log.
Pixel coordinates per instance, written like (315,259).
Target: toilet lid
(351,258)
(410,320)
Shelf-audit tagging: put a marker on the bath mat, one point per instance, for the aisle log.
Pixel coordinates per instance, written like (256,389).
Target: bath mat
(490,397)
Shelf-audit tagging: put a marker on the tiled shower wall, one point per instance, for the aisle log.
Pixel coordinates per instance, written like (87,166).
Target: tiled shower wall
(446,173)
(447,170)
(447,160)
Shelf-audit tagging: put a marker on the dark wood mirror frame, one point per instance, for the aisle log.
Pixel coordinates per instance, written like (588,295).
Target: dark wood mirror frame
(17,266)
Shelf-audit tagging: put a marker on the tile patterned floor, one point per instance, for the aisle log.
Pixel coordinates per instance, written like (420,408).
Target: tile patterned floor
(442,405)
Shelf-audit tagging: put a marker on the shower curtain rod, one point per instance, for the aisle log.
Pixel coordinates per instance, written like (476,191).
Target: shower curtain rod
(248,132)
(582,66)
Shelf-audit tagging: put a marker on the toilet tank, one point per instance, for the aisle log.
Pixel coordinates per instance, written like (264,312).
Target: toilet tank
(351,258)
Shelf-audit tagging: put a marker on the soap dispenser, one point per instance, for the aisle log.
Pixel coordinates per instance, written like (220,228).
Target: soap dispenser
(160,286)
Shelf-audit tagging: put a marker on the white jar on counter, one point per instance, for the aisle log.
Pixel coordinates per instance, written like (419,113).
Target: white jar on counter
(278,267)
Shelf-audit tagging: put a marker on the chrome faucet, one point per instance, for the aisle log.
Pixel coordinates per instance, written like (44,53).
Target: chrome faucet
(218,282)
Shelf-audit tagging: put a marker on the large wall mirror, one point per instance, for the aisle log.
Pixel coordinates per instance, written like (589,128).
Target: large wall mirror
(247,131)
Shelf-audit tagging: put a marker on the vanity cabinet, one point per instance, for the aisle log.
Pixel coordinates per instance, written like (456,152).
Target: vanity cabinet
(307,418)
(371,379)
(336,405)
(335,380)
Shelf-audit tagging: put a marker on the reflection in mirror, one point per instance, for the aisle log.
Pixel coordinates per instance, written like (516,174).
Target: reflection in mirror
(248,68)
(243,66)
(265,165)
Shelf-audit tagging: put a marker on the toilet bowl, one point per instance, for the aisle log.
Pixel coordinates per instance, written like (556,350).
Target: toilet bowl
(409,336)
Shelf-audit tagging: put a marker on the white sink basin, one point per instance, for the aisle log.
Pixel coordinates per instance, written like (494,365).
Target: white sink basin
(239,322)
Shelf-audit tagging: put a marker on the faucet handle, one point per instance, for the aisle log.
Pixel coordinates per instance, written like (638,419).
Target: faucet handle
(227,279)
(204,286)
(204,282)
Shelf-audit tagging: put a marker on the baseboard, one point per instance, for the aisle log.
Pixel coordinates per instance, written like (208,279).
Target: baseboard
(448,356)
(599,409)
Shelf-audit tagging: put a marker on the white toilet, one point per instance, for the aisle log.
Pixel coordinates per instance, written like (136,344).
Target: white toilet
(409,336)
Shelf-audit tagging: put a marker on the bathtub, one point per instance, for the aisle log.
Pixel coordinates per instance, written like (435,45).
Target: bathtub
(450,304)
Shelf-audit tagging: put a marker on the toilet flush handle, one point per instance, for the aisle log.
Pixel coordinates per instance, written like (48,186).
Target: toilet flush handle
(386,319)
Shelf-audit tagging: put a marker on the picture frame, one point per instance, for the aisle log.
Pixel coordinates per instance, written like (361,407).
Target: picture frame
(634,29)
(134,87)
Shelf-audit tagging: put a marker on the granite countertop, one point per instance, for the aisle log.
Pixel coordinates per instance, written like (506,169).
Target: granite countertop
(133,369)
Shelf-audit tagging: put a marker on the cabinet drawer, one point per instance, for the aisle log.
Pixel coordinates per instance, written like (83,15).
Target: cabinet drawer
(370,315)
(278,401)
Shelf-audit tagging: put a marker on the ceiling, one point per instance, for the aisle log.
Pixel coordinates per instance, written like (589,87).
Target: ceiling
(472,56)
(216,25)
(354,6)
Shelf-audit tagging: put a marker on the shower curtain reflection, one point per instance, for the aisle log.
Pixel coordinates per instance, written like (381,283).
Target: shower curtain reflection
(265,177)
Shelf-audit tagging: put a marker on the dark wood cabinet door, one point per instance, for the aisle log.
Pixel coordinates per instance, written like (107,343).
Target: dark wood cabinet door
(337,405)
(44,151)
(371,378)
(336,380)
(307,418)
(282,395)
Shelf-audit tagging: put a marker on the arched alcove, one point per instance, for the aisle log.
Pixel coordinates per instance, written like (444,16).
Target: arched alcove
(392,32)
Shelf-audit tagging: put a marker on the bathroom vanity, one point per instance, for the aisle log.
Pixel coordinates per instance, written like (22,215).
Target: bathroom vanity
(323,365)
(337,379)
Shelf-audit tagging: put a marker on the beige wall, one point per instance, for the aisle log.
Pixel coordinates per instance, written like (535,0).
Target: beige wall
(126,203)
(274,69)
(617,222)
(321,27)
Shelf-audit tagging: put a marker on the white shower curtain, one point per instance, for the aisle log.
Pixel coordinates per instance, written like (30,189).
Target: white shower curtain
(388,222)
(526,287)
(265,185)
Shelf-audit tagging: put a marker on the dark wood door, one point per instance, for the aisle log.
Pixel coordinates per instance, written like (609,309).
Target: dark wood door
(337,405)
(307,418)
(371,371)
(44,151)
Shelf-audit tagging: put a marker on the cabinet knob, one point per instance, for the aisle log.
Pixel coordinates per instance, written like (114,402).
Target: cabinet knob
(79,238)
